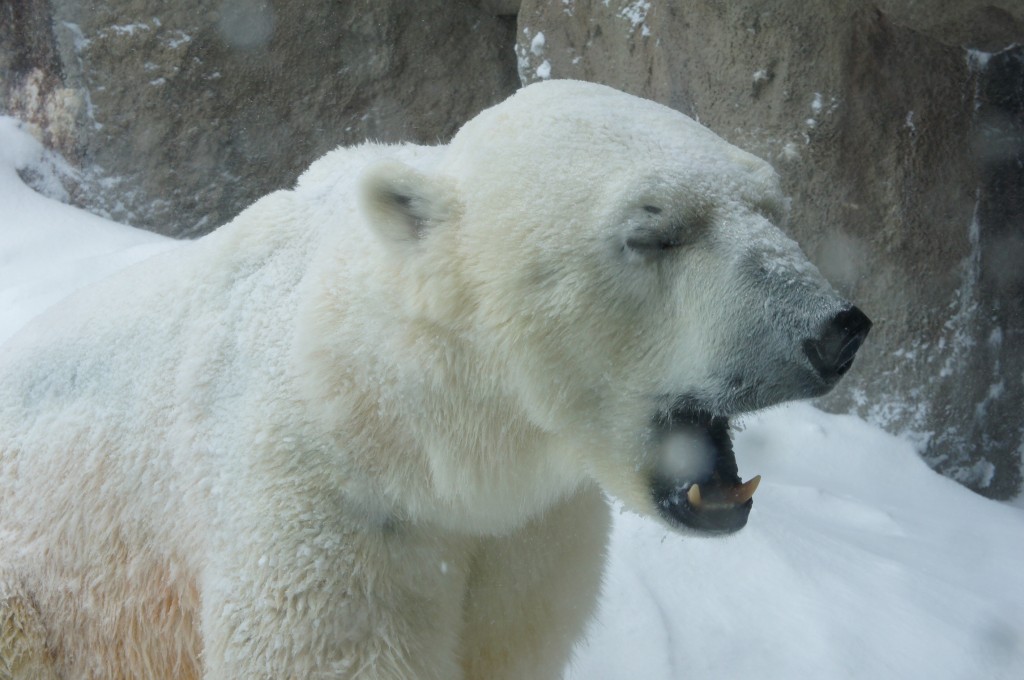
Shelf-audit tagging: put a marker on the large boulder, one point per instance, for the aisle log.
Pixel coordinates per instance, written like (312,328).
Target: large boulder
(899,131)
(177,115)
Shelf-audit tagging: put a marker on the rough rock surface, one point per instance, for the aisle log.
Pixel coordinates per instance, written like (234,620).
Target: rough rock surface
(180,114)
(899,132)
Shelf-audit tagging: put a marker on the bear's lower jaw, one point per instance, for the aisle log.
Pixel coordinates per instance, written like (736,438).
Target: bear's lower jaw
(718,503)
(705,508)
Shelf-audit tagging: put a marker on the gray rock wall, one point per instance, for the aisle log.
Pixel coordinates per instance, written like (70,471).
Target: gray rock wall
(179,114)
(898,128)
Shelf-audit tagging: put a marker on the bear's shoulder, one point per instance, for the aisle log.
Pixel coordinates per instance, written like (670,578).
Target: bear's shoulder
(339,170)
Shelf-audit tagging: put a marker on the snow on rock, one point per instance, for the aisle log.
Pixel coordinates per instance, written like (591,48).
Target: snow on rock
(525,59)
(636,14)
(537,44)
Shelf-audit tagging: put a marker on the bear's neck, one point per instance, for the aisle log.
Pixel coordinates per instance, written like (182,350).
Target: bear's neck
(436,436)
(490,468)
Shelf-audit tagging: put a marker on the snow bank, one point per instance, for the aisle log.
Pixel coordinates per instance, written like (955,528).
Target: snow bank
(858,562)
(48,249)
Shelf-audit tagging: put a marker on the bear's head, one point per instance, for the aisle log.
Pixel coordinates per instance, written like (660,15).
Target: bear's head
(620,269)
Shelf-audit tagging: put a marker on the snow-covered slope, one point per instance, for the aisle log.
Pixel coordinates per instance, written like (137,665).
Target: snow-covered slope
(858,561)
(48,249)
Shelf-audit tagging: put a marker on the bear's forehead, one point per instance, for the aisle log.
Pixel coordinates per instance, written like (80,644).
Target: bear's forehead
(582,121)
(579,105)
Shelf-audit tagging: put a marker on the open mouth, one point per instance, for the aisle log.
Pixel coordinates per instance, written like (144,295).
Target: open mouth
(711,498)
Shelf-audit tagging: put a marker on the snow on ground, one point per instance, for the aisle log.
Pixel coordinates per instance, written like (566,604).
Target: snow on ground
(48,249)
(858,561)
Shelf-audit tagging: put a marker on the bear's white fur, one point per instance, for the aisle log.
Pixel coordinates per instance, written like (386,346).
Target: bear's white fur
(364,430)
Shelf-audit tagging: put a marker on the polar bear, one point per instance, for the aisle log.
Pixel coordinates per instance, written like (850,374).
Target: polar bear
(367,428)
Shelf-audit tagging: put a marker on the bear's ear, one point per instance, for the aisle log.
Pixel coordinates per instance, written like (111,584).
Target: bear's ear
(402,204)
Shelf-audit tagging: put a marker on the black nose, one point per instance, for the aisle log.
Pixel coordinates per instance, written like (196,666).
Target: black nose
(832,353)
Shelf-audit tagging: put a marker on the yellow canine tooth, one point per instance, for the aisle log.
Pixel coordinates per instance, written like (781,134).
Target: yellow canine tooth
(693,495)
(744,492)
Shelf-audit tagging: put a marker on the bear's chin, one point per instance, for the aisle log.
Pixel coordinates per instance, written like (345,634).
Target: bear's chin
(713,500)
